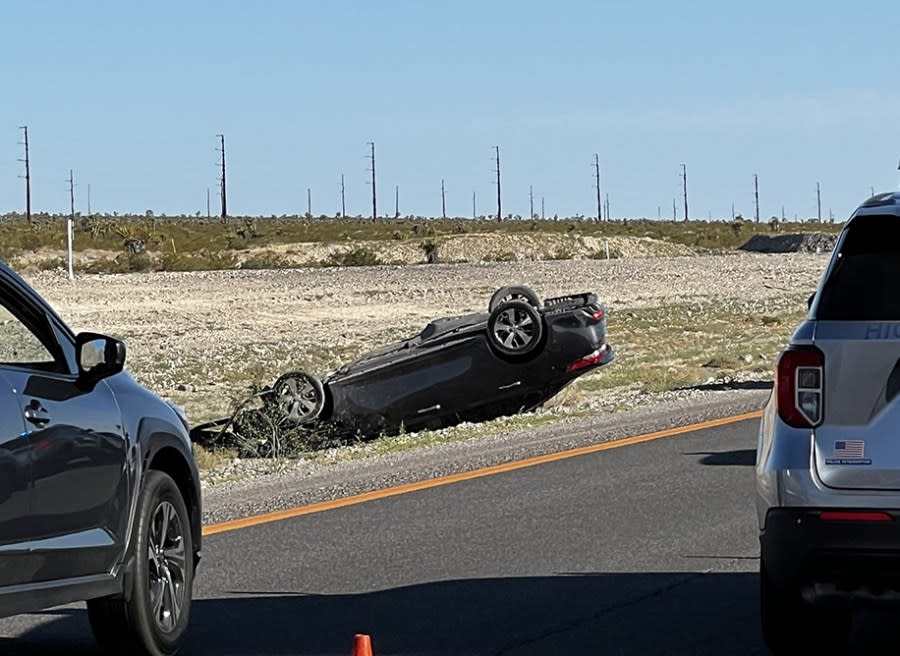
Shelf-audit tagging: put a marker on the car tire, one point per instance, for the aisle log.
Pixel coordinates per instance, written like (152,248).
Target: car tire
(515,329)
(790,625)
(152,616)
(513,293)
(299,398)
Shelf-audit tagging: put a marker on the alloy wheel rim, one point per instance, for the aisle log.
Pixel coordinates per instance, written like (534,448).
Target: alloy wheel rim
(167,562)
(514,329)
(297,399)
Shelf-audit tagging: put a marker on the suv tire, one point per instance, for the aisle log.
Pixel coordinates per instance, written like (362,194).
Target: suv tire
(152,616)
(791,626)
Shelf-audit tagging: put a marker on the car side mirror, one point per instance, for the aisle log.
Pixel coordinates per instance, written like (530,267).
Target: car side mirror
(98,357)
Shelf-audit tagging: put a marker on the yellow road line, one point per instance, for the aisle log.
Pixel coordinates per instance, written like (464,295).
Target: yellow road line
(299,511)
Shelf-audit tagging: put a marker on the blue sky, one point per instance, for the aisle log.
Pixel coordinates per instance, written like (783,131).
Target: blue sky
(131,96)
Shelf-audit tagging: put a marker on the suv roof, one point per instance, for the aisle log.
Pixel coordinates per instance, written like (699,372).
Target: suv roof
(886,203)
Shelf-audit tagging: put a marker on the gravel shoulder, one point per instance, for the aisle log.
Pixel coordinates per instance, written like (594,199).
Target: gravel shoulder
(297,483)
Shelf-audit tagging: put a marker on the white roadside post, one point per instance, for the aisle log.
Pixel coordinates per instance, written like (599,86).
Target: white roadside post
(69,239)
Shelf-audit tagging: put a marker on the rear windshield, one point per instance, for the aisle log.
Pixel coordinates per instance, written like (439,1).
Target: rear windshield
(864,284)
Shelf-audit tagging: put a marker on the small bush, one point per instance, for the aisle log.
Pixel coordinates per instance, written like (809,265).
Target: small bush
(266,260)
(354,257)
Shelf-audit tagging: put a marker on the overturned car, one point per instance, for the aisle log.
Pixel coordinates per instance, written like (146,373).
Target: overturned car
(475,367)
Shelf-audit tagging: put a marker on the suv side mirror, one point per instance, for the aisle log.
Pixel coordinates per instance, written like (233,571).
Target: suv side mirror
(98,357)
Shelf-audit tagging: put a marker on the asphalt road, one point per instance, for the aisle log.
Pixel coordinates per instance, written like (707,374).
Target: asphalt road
(645,549)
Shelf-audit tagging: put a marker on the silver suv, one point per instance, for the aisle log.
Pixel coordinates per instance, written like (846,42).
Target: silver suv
(828,458)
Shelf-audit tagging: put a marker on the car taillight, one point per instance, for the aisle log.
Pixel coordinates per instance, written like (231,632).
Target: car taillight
(587,361)
(800,386)
(595,313)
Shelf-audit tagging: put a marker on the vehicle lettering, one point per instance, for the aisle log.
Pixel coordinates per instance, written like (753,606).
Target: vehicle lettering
(883,331)
(848,461)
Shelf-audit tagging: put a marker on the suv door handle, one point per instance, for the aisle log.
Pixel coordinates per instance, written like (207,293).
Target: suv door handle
(37,414)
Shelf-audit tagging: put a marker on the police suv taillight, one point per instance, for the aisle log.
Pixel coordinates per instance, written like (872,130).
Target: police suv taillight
(800,386)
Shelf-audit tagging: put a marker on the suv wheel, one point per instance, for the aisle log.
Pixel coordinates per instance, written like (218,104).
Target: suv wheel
(151,617)
(790,625)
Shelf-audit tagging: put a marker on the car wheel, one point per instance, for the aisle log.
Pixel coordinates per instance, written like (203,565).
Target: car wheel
(513,293)
(299,398)
(791,625)
(515,329)
(152,617)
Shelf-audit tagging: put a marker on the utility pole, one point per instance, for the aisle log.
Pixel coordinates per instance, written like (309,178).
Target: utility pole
(207,203)
(343,199)
(607,207)
(309,202)
(396,201)
(224,196)
(674,211)
(530,202)
(499,205)
(542,208)
(597,187)
(818,203)
(732,211)
(658,212)
(372,170)
(89,201)
(684,180)
(27,162)
(474,212)
(871,191)
(443,200)
(71,222)
(756,195)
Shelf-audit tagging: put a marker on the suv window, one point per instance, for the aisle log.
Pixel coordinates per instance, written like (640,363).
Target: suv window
(19,346)
(862,285)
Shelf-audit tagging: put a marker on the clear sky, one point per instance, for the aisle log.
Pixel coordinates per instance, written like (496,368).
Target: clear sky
(131,96)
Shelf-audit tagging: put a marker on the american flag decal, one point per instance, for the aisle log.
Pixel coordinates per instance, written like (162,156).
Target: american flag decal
(849,448)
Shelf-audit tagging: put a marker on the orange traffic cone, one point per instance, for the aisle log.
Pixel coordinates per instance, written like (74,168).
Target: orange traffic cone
(362,645)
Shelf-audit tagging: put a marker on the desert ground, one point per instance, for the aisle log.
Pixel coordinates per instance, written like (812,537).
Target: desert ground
(204,339)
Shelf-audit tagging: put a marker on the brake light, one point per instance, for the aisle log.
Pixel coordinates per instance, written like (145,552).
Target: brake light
(800,386)
(589,360)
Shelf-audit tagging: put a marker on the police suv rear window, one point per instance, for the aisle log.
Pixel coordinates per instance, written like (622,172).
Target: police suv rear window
(863,284)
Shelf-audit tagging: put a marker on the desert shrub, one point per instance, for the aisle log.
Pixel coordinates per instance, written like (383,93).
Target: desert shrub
(266,260)
(202,261)
(354,257)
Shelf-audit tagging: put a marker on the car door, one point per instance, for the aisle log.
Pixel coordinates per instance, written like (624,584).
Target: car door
(15,481)
(78,501)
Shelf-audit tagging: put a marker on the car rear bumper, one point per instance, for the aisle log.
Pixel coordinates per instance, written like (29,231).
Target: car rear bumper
(834,562)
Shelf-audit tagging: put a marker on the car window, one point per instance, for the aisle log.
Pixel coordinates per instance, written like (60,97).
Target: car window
(862,283)
(20,346)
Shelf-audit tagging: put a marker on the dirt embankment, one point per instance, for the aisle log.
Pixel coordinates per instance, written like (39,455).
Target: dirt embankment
(803,242)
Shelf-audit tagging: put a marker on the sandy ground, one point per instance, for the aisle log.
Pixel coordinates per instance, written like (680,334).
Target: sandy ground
(202,338)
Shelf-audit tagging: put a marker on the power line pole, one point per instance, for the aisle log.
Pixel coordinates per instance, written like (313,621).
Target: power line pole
(71,222)
(474,208)
(27,162)
(658,212)
(224,197)
(542,208)
(756,195)
(818,203)
(499,205)
(309,202)
(89,201)
(597,187)
(372,170)
(674,211)
(607,207)
(684,180)
(531,202)
(343,199)
(208,214)
(732,211)
(396,201)
(443,200)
